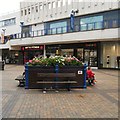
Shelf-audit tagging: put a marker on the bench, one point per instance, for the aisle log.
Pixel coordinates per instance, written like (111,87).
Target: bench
(68,79)
(21,79)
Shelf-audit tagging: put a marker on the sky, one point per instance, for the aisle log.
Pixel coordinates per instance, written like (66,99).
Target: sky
(7,6)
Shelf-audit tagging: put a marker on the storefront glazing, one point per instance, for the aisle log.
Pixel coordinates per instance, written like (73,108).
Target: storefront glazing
(110,53)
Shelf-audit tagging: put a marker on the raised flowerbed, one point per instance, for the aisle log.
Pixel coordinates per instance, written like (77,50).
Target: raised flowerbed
(55,73)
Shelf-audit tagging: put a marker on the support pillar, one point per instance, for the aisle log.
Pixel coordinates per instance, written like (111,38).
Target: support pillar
(44,51)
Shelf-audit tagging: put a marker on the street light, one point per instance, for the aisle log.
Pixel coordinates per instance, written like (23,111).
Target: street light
(72,15)
(3,36)
(21,25)
(4,31)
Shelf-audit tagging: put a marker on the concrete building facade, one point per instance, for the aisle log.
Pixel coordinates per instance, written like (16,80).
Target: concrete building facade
(85,29)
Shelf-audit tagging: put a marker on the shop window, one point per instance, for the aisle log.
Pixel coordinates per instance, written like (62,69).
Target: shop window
(80,54)
(67,52)
(90,57)
(109,54)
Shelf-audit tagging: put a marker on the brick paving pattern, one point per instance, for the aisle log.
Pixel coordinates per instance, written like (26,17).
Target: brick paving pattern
(99,101)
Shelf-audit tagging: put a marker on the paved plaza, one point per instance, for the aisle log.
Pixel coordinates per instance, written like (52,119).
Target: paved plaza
(99,101)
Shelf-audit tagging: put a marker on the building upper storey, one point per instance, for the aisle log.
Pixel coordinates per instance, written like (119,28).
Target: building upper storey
(10,23)
(48,10)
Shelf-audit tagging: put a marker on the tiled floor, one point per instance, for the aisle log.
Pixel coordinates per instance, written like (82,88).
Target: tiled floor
(99,101)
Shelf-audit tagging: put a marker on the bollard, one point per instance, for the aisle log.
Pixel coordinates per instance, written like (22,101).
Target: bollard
(85,66)
(26,77)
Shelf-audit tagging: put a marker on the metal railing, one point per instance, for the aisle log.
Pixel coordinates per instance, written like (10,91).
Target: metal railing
(67,29)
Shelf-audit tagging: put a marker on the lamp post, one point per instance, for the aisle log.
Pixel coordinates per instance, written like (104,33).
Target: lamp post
(21,25)
(3,36)
(4,31)
(72,16)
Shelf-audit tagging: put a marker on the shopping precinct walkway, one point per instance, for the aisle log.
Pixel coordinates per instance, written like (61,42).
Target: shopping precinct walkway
(99,101)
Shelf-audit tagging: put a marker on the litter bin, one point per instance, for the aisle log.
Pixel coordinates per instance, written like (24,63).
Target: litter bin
(2,65)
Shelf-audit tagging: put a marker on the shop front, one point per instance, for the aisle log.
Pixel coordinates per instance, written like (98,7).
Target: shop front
(29,52)
(85,52)
(110,54)
(12,57)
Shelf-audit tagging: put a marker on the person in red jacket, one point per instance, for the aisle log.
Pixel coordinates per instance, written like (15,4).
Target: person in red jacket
(90,76)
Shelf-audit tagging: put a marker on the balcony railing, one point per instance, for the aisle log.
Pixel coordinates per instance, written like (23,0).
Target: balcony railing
(67,29)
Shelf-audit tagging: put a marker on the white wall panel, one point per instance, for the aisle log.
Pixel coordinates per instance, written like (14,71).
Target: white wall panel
(98,35)
(12,29)
(84,6)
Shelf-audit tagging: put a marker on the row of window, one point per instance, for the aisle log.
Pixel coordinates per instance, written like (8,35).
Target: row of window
(50,5)
(82,27)
(61,27)
(8,22)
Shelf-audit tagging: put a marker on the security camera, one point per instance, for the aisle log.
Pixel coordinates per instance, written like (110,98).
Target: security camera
(76,10)
(3,29)
(21,23)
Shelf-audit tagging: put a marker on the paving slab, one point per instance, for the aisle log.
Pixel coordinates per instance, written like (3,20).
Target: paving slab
(99,101)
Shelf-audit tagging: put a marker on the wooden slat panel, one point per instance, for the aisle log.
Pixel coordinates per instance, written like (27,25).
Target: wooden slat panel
(56,75)
(56,82)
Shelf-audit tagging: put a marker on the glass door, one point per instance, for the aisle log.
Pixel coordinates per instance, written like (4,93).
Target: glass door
(90,57)
(80,54)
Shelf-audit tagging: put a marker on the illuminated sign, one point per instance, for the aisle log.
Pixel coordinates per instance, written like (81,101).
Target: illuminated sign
(32,47)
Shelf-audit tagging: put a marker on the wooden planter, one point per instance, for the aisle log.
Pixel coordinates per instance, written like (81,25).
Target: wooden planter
(2,65)
(33,76)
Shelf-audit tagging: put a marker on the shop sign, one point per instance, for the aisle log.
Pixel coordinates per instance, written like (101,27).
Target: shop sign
(90,45)
(32,47)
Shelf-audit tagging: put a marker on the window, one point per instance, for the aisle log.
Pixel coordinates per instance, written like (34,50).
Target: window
(64,2)
(32,9)
(28,10)
(1,24)
(60,27)
(69,2)
(105,24)
(53,4)
(90,23)
(40,7)
(67,52)
(36,8)
(114,23)
(44,7)
(25,12)
(49,5)
(8,22)
(21,12)
(59,3)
